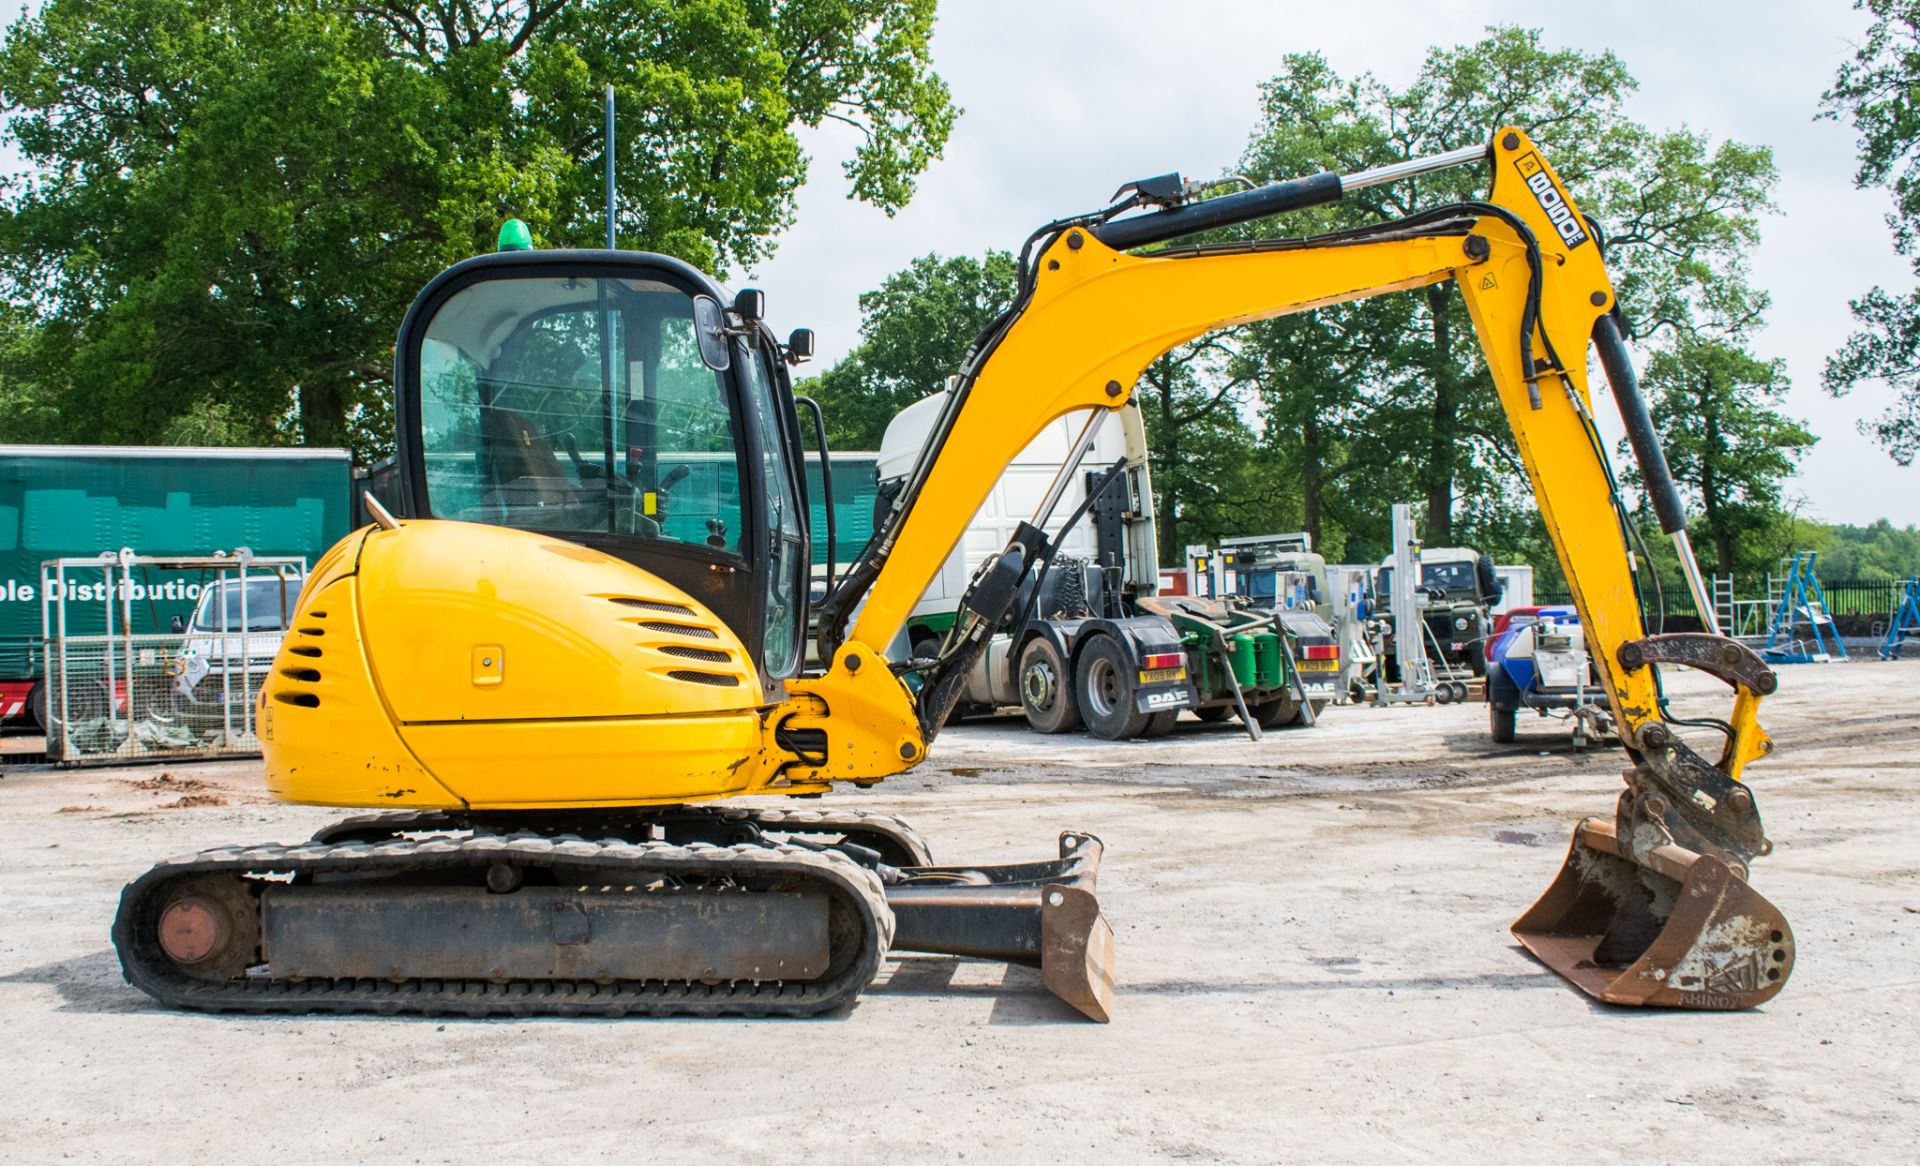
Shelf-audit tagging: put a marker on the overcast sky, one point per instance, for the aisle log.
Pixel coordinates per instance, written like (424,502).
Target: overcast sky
(1065,100)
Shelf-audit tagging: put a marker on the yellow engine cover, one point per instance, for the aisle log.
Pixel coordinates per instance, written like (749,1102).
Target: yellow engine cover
(446,664)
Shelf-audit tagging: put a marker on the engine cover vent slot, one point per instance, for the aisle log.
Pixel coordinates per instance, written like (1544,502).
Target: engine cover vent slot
(713,678)
(679,629)
(653,605)
(688,652)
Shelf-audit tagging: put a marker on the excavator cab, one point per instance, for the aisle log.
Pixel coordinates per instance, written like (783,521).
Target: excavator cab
(610,399)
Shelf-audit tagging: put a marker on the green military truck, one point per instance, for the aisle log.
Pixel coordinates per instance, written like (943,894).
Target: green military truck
(79,501)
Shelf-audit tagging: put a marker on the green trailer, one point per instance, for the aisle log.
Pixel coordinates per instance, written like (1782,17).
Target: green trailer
(856,486)
(77,501)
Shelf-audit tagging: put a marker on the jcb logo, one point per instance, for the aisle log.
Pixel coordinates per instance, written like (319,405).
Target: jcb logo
(1548,196)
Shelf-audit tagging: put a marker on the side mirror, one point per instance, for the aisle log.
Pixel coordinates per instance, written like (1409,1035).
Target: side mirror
(710,326)
(800,345)
(750,305)
(178,624)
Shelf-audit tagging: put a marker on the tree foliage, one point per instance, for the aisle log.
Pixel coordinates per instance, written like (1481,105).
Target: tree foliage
(1389,399)
(1879,92)
(1209,482)
(234,200)
(914,332)
(1880,550)
(1729,448)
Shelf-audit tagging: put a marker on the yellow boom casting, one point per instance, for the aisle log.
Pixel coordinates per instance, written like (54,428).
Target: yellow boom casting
(609,634)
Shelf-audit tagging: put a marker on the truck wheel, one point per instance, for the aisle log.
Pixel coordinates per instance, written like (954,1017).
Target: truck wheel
(1161,723)
(1213,714)
(1275,712)
(1046,695)
(1104,683)
(1501,721)
(86,702)
(37,704)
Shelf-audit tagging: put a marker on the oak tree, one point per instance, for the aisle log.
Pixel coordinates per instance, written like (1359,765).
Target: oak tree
(1879,92)
(232,201)
(915,329)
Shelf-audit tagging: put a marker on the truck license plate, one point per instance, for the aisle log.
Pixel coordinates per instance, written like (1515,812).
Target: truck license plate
(1162,675)
(1319,665)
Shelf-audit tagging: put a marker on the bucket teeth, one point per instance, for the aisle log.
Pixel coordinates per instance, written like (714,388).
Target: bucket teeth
(1681,930)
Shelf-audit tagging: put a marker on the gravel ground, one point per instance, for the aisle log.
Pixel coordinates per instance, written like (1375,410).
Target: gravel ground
(1313,962)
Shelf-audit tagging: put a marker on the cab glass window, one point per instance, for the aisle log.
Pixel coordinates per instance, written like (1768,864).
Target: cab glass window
(786,567)
(578,406)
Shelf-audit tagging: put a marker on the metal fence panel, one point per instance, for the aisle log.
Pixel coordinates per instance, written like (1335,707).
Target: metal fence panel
(1859,607)
(1863,596)
(132,697)
(187,691)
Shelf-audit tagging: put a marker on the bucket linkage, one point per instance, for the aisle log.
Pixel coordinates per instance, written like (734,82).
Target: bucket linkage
(1653,908)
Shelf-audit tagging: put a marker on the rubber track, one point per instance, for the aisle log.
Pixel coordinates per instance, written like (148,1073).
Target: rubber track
(834,821)
(837,821)
(146,967)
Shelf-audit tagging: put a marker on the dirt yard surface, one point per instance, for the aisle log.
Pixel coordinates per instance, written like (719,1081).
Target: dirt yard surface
(1314,965)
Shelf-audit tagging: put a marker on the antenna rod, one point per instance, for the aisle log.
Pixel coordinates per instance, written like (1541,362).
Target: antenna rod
(611,243)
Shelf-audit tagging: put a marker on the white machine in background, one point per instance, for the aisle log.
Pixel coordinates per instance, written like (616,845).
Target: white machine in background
(1013,500)
(1539,661)
(1406,606)
(1093,643)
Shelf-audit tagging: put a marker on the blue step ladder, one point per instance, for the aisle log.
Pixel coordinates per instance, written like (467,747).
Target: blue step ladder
(1802,602)
(1906,623)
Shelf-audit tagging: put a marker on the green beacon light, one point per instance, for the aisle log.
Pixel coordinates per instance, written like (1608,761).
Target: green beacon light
(514,236)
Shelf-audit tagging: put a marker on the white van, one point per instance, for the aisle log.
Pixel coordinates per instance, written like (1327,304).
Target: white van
(231,640)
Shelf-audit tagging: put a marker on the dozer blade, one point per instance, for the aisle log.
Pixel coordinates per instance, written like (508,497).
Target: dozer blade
(1682,931)
(1040,914)
(1076,951)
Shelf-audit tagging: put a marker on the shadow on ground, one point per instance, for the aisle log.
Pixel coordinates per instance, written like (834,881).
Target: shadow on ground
(90,983)
(1018,994)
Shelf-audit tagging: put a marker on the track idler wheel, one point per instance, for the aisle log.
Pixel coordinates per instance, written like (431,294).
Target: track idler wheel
(1682,930)
(210,928)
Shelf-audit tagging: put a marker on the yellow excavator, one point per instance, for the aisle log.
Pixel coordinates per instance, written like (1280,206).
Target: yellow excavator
(585,633)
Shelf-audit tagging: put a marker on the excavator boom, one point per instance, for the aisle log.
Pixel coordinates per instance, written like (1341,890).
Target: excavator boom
(1092,317)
